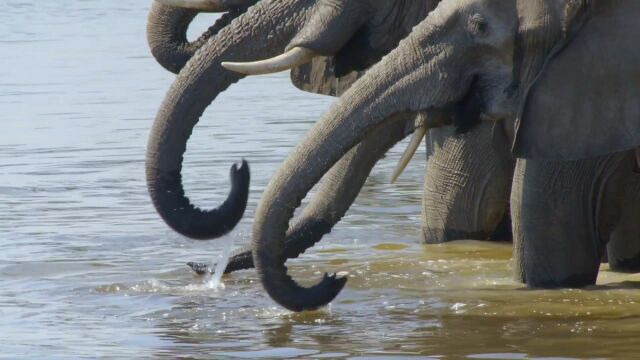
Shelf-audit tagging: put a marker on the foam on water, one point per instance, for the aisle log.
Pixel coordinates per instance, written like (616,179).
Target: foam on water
(214,280)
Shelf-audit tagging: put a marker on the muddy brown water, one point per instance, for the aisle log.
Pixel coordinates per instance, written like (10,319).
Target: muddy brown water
(87,269)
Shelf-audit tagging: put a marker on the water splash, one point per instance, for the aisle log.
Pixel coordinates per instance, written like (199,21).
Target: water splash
(215,281)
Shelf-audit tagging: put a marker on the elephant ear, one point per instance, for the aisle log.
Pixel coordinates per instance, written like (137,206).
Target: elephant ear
(585,102)
(318,77)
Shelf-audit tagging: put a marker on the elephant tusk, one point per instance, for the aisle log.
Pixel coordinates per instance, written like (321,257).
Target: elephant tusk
(202,5)
(416,139)
(290,59)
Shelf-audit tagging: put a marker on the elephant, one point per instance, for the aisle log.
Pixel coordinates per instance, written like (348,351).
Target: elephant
(543,66)
(368,28)
(445,202)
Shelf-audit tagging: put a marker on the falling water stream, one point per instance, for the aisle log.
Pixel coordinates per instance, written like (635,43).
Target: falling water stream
(89,270)
(221,263)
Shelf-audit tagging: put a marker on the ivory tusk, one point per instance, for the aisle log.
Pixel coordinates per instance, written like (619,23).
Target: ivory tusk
(292,58)
(202,5)
(416,139)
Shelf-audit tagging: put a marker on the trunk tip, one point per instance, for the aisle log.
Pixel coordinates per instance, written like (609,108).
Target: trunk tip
(321,294)
(169,199)
(332,285)
(240,175)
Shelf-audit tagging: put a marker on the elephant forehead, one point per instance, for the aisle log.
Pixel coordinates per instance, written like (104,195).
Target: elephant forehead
(395,20)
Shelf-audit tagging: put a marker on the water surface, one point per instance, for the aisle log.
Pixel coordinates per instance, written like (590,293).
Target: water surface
(87,268)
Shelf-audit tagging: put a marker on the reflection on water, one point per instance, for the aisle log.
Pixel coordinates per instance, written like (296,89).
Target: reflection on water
(88,269)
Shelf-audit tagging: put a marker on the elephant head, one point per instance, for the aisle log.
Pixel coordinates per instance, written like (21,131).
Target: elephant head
(169,20)
(267,29)
(546,64)
(354,34)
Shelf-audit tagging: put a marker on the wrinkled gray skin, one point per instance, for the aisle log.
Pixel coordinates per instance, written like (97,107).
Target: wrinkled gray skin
(370,29)
(467,184)
(530,61)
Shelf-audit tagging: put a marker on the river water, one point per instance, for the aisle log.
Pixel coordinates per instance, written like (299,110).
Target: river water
(87,268)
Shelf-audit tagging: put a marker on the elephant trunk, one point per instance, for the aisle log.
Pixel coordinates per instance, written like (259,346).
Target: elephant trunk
(334,196)
(193,90)
(167,32)
(397,85)
(339,188)
(345,125)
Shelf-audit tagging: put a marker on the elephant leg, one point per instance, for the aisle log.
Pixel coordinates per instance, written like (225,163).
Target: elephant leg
(336,192)
(564,213)
(624,243)
(467,183)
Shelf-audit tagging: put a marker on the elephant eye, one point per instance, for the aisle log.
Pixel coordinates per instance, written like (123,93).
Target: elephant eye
(477,25)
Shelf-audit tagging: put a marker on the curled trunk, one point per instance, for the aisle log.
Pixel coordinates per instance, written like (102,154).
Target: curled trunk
(326,143)
(167,32)
(193,90)
(383,96)
(270,251)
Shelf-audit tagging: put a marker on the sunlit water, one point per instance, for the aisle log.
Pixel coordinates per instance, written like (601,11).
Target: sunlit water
(87,268)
